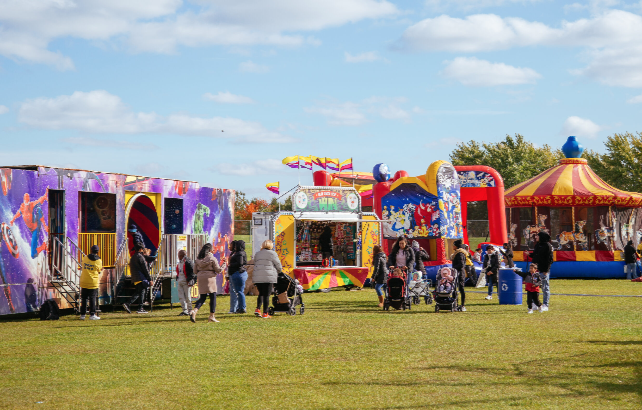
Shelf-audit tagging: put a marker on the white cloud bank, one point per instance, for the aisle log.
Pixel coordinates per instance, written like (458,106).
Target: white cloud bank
(482,73)
(635,100)
(226,97)
(101,112)
(611,40)
(580,127)
(3,109)
(162,26)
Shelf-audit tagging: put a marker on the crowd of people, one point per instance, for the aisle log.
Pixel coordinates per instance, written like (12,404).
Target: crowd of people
(411,259)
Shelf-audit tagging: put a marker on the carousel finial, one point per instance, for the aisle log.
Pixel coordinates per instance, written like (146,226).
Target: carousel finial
(572,148)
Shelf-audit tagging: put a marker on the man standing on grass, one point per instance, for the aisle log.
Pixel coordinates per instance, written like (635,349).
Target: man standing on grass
(92,266)
(543,256)
(139,270)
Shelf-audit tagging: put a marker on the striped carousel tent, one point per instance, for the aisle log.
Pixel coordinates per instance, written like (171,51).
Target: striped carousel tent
(589,221)
(571,183)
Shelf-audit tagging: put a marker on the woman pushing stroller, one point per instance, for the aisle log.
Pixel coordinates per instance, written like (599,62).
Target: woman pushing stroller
(402,255)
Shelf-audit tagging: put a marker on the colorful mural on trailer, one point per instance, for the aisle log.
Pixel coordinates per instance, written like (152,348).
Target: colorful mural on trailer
(417,213)
(28,218)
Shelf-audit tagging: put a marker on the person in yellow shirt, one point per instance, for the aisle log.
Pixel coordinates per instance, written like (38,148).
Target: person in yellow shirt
(92,266)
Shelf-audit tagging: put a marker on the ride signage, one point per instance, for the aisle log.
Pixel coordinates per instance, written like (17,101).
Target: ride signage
(322,199)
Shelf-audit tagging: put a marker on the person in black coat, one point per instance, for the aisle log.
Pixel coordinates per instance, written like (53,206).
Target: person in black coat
(630,257)
(238,277)
(542,255)
(459,263)
(492,269)
(379,272)
(140,277)
(508,255)
(402,255)
(421,256)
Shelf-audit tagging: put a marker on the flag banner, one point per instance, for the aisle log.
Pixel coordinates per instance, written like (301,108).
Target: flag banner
(318,161)
(332,163)
(292,162)
(346,165)
(273,187)
(305,162)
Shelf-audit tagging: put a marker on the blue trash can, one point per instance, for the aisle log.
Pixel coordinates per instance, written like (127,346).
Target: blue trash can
(510,284)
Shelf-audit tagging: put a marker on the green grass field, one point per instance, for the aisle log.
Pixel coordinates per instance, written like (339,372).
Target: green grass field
(585,353)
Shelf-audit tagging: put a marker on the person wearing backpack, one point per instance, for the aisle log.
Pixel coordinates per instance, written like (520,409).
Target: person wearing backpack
(185,279)
(238,277)
(542,256)
(92,267)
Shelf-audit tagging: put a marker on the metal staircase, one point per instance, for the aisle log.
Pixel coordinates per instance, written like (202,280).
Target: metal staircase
(66,270)
(120,270)
(156,272)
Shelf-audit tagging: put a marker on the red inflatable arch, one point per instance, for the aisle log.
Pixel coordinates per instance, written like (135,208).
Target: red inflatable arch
(488,186)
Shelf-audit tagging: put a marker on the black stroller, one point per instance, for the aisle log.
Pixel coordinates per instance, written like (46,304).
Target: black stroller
(287,296)
(397,293)
(446,290)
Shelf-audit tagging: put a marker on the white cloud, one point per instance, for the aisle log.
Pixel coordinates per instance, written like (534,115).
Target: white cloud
(580,127)
(251,67)
(611,40)
(28,27)
(482,73)
(118,144)
(347,113)
(101,112)
(367,57)
(635,100)
(226,97)
(3,109)
(260,167)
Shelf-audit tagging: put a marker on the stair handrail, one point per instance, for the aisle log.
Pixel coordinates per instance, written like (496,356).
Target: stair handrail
(156,272)
(62,253)
(121,263)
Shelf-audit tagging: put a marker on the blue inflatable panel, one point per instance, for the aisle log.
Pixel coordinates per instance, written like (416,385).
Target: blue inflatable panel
(583,270)
(431,272)
(510,287)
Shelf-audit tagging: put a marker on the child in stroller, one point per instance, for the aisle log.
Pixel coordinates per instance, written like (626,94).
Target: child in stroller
(446,290)
(418,289)
(397,291)
(287,296)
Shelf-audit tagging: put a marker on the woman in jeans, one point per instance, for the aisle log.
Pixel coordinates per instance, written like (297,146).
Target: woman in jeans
(266,271)
(206,269)
(380,272)
(238,276)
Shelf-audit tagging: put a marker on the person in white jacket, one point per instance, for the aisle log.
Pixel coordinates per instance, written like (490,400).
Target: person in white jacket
(266,271)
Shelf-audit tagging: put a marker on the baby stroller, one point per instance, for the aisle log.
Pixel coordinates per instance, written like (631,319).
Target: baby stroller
(397,292)
(418,290)
(446,290)
(287,296)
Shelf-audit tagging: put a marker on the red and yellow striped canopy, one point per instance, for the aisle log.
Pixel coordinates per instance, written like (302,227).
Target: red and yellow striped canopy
(571,183)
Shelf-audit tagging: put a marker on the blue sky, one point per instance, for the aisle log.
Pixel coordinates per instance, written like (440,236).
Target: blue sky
(220,91)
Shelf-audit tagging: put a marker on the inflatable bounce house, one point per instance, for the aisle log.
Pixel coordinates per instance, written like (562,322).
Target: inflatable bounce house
(50,218)
(431,208)
(589,221)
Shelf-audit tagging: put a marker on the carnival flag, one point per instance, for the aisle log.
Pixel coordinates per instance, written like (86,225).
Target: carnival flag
(273,187)
(292,162)
(346,165)
(305,162)
(318,161)
(332,163)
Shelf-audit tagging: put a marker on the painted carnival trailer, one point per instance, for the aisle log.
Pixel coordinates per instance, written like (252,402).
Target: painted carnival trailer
(50,218)
(296,235)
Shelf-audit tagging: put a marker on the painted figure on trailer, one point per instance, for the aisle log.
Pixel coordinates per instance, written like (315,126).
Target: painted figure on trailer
(34,218)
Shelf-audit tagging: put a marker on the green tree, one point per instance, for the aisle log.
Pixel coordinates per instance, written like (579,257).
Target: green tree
(621,164)
(516,159)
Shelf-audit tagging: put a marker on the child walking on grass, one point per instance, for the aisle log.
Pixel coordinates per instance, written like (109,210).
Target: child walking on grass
(533,281)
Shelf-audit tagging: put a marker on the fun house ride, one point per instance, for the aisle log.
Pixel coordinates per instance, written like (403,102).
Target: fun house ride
(588,220)
(50,218)
(296,236)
